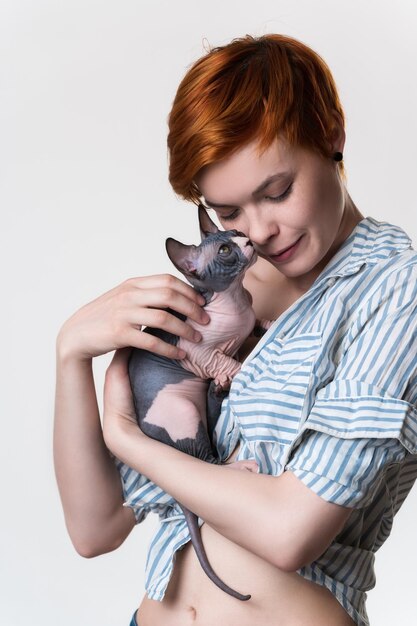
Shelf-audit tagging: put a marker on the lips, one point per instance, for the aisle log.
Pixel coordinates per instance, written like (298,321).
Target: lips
(287,248)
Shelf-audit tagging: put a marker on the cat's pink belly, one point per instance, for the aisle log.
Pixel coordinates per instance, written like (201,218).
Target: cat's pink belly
(179,408)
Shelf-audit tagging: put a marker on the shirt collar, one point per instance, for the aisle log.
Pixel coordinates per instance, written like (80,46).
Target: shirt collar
(369,242)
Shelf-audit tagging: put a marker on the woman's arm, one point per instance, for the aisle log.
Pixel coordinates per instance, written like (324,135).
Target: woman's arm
(87,477)
(275,517)
(88,481)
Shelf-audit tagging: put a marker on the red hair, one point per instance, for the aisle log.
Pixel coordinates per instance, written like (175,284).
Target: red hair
(249,88)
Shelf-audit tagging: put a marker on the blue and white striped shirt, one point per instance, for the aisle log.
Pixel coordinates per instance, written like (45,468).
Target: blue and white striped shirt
(330,393)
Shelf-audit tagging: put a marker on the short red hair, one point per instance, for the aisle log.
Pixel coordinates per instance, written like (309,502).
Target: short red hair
(251,87)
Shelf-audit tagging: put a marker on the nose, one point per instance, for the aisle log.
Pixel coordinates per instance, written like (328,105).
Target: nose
(261,228)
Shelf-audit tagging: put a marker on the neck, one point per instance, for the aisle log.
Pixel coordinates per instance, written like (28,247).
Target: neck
(350,218)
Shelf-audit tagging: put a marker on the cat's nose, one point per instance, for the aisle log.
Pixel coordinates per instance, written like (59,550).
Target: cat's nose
(248,241)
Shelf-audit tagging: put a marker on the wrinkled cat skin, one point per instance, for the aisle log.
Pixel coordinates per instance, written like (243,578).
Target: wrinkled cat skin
(171,396)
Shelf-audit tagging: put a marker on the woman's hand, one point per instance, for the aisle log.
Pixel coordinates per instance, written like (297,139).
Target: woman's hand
(119,418)
(114,320)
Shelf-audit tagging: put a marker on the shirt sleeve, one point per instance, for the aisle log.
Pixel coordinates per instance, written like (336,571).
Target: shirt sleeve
(142,495)
(365,418)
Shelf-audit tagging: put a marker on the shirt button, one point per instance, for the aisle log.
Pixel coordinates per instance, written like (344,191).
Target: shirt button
(331,282)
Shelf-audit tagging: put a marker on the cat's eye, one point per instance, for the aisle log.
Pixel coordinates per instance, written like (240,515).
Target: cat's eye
(224,249)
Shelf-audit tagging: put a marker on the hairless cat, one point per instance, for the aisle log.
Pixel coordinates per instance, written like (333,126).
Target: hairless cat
(171,396)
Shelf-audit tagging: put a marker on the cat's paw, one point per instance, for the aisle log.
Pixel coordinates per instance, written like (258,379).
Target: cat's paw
(221,388)
(258,331)
(261,326)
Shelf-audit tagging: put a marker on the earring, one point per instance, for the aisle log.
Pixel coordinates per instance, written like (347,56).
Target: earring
(338,156)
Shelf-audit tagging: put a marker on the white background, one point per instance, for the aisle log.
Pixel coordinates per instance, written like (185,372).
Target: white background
(86,87)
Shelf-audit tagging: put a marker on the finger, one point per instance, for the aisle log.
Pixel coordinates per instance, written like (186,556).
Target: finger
(169,298)
(162,281)
(164,320)
(118,367)
(145,341)
(252,466)
(168,291)
(246,464)
(120,358)
(117,388)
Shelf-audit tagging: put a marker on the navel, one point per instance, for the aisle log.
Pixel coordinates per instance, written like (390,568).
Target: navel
(193,612)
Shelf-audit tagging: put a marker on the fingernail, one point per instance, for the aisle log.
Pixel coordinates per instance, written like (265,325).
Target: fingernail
(197,336)
(205,318)
(181,354)
(201,300)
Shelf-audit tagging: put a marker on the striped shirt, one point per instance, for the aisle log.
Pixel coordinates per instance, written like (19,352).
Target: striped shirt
(329,393)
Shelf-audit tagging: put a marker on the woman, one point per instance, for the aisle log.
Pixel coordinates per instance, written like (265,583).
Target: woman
(324,406)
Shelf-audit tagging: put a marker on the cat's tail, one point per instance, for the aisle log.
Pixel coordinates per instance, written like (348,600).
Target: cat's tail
(192,521)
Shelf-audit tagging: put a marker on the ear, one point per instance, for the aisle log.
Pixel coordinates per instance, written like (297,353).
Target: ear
(338,135)
(207,226)
(182,256)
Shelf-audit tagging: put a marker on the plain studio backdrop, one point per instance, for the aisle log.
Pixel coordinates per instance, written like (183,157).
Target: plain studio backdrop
(85,90)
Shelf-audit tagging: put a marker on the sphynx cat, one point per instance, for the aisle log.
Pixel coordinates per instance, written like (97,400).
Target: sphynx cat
(171,396)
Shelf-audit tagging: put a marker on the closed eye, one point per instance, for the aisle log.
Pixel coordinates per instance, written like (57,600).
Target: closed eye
(231,216)
(282,196)
(234,214)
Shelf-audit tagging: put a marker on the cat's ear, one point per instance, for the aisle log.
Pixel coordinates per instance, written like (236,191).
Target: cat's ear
(183,257)
(207,226)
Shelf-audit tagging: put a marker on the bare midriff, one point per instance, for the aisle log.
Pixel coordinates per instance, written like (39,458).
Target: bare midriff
(278,598)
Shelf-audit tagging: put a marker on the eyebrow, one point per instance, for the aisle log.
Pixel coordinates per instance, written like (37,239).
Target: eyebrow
(265,183)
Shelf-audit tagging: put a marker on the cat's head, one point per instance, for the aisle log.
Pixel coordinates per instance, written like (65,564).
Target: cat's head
(222,257)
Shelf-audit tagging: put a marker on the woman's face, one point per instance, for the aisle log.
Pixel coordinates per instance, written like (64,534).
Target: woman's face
(289,201)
